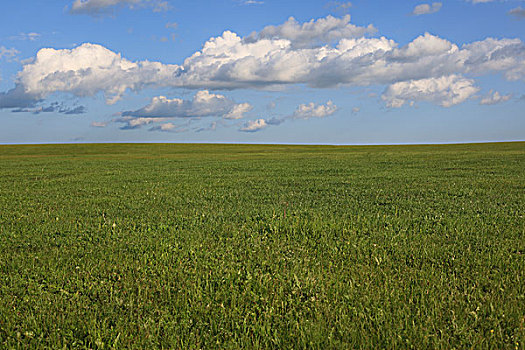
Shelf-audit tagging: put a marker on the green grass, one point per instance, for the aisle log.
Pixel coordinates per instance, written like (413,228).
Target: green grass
(238,246)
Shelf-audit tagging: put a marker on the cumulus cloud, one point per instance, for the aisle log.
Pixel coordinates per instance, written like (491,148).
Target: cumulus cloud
(311,110)
(314,32)
(494,97)
(100,7)
(445,91)
(496,55)
(254,125)
(231,62)
(136,122)
(238,111)
(203,104)
(518,12)
(323,53)
(426,45)
(19,100)
(17,97)
(425,9)
(89,69)
(303,111)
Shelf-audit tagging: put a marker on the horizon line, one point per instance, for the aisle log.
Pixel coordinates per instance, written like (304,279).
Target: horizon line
(259,143)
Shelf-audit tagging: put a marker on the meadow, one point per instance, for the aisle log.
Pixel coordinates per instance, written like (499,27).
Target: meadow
(262,246)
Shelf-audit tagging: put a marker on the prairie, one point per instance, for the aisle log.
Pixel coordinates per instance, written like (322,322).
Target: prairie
(262,246)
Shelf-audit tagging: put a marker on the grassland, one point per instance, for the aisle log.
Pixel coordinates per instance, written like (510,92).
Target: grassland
(228,246)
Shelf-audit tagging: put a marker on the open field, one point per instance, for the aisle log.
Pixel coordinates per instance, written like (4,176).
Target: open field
(203,246)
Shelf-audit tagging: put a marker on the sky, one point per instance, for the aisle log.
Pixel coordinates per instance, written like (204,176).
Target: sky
(262,71)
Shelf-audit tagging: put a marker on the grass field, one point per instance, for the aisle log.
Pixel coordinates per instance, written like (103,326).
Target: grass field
(228,246)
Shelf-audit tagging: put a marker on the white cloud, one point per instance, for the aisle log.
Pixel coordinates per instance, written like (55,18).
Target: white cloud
(303,111)
(100,7)
(230,62)
(136,122)
(8,53)
(238,111)
(494,98)
(340,6)
(320,31)
(426,45)
(252,2)
(518,12)
(445,91)
(254,125)
(89,69)
(168,127)
(311,110)
(493,55)
(425,9)
(276,57)
(203,104)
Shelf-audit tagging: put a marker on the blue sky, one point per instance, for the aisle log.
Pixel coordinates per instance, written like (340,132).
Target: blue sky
(338,72)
